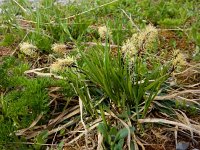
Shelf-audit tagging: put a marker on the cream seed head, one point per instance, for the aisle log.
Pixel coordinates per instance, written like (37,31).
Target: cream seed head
(129,49)
(61,64)
(147,37)
(144,39)
(103,32)
(178,58)
(59,48)
(28,49)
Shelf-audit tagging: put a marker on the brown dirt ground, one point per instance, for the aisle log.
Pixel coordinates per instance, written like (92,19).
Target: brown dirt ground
(5,51)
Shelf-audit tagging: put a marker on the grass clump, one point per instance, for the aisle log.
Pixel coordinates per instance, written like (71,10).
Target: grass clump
(118,81)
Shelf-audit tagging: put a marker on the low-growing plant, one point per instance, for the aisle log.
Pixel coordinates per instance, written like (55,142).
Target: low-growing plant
(22,100)
(114,138)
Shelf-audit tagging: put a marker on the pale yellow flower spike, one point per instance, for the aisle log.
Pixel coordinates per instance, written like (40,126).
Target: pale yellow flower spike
(59,48)
(150,37)
(28,49)
(103,31)
(144,39)
(179,59)
(61,64)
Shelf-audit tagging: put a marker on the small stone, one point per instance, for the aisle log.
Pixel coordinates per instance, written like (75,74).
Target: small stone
(182,146)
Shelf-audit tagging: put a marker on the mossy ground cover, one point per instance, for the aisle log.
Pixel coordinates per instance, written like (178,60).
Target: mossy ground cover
(121,74)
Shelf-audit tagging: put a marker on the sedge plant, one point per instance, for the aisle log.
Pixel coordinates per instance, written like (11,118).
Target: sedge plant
(105,83)
(116,80)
